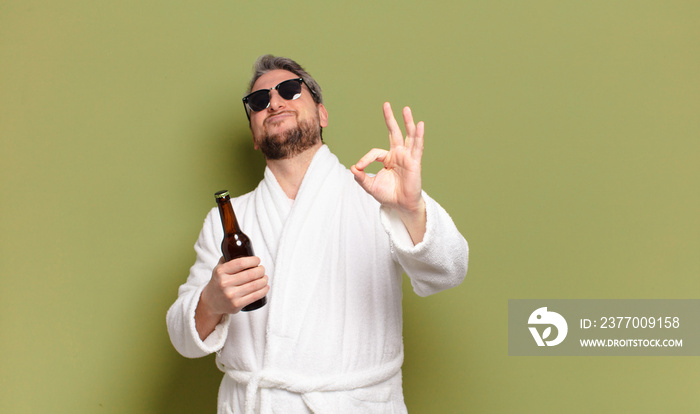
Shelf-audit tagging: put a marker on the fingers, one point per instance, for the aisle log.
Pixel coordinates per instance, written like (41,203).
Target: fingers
(375,154)
(417,148)
(362,178)
(236,284)
(239,271)
(247,276)
(248,286)
(410,126)
(252,286)
(414,132)
(395,135)
(239,264)
(254,294)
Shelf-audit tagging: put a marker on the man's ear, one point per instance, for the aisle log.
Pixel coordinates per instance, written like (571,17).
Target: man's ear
(322,115)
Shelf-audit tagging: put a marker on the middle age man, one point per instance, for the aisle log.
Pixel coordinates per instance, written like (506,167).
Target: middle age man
(333,252)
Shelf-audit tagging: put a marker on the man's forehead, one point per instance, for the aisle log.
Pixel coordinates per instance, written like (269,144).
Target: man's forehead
(272,78)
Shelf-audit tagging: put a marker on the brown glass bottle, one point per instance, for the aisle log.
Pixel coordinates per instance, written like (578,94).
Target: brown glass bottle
(235,243)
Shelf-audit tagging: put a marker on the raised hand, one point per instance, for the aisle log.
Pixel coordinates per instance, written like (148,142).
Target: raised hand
(398,184)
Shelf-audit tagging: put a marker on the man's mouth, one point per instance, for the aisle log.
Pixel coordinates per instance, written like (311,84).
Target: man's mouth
(278,117)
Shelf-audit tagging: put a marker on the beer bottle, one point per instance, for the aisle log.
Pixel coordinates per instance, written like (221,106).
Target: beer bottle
(235,244)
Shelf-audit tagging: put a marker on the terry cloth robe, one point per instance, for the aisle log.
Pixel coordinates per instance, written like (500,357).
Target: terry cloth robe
(330,338)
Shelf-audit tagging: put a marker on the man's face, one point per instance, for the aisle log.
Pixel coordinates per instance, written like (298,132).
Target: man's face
(286,128)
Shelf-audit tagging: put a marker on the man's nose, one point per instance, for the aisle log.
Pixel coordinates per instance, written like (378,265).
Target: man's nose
(276,101)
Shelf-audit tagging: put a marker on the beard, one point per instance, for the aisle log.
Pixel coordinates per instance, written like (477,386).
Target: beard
(291,142)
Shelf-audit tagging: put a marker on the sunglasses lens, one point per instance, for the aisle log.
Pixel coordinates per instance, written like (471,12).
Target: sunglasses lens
(257,101)
(290,90)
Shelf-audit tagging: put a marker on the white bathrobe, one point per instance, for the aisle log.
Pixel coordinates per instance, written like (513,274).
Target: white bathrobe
(330,338)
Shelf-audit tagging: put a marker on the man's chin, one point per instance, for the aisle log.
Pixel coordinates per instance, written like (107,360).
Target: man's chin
(282,130)
(278,128)
(288,142)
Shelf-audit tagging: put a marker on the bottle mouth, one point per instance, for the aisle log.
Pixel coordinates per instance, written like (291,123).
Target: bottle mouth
(221,194)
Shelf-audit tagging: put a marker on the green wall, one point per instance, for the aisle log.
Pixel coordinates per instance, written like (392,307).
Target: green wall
(562,136)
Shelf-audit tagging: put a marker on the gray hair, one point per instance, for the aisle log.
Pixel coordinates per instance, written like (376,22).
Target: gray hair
(267,63)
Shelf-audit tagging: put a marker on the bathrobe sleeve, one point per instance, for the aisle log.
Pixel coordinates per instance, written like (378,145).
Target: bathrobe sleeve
(180,317)
(440,260)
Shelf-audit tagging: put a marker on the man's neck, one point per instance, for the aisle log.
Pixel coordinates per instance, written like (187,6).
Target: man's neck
(290,172)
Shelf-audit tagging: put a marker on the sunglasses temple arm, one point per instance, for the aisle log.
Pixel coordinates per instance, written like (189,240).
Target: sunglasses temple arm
(245,108)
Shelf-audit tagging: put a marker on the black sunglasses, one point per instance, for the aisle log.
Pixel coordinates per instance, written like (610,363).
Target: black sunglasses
(260,99)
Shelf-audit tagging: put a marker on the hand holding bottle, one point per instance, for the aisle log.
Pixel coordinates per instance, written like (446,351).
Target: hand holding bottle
(234,285)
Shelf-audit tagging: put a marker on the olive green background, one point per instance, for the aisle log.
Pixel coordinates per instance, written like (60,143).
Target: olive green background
(562,136)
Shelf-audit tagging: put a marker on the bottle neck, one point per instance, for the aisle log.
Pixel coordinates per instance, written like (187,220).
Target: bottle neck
(228,217)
